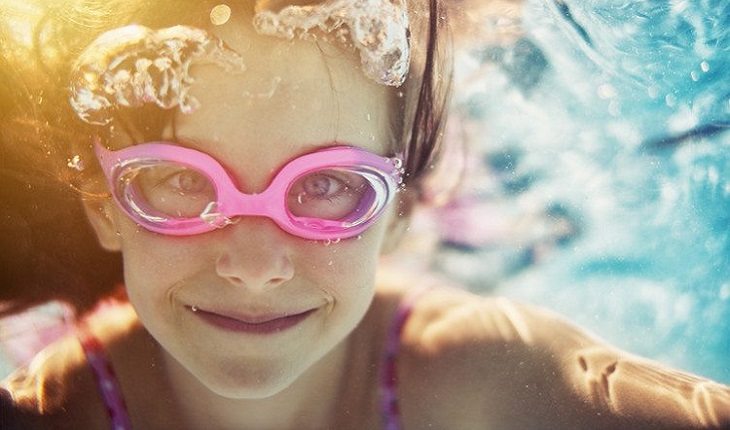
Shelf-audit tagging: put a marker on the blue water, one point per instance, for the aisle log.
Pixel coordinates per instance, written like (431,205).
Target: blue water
(612,117)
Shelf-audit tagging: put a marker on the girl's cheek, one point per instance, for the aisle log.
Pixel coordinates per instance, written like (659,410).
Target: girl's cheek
(151,256)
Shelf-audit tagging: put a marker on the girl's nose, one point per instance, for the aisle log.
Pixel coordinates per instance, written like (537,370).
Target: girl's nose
(255,254)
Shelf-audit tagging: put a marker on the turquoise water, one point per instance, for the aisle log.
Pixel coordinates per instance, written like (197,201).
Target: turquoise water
(611,118)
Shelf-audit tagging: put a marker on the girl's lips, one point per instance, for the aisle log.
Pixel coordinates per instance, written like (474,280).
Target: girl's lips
(257,324)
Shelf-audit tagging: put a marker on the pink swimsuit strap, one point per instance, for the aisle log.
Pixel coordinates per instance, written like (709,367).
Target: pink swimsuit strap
(389,374)
(106,380)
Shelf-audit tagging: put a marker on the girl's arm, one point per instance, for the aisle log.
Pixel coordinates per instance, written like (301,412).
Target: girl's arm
(513,366)
(618,389)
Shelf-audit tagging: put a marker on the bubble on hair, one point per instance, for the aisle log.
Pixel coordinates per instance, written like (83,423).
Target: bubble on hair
(377,28)
(76,163)
(134,65)
(220,14)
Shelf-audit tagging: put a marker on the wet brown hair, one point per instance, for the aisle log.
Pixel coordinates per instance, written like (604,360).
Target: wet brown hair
(47,249)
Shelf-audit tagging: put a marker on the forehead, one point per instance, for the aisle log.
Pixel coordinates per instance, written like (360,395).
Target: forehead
(293,95)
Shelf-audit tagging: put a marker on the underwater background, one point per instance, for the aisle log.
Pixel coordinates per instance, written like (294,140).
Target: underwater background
(595,177)
(598,173)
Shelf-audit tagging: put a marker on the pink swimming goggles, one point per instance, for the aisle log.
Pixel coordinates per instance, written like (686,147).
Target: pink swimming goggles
(333,193)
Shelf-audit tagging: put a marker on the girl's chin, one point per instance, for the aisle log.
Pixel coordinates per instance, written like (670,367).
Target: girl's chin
(250,384)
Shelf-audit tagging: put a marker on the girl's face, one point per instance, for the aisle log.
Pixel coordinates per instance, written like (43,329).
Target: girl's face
(294,97)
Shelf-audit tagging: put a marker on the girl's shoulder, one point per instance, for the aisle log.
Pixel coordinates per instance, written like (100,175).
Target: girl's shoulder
(468,361)
(58,389)
(460,357)
(55,390)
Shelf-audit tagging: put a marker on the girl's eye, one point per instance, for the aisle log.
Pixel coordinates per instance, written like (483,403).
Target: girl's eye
(331,194)
(168,189)
(187,182)
(321,186)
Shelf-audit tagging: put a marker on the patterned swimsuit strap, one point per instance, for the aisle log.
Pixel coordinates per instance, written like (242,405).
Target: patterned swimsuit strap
(389,375)
(105,378)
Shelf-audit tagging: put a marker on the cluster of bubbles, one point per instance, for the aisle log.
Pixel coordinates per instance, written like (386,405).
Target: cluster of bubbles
(134,65)
(377,28)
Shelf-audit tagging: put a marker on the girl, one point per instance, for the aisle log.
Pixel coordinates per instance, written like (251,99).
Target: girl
(251,163)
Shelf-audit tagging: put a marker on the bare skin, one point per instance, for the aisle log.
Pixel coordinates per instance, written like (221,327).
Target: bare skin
(466,362)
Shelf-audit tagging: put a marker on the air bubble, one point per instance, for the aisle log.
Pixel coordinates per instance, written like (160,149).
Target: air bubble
(725,292)
(328,242)
(220,14)
(606,91)
(653,91)
(211,216)
(76,163)
(275,81)
(614,108)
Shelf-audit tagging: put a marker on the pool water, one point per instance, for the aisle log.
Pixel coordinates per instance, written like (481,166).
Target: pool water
(603,132)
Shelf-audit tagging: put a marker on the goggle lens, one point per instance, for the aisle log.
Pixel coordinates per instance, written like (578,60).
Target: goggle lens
(343,194)
(167,190)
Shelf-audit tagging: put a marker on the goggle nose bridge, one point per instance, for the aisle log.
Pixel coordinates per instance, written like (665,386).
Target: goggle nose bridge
(265,204)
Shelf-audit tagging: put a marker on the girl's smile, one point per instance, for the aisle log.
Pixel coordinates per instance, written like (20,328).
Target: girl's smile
(268,323)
